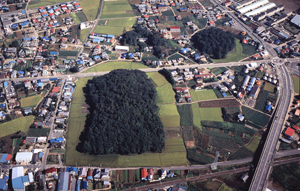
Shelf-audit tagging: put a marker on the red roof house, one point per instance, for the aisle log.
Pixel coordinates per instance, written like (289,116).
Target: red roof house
(144,173)
(289,132)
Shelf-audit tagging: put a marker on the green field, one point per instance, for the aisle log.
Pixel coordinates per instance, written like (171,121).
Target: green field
(269,87)
(68,53)
(202,95)
(224,187)
(256,117)
(254,144)
(108,66)
(211,114)
(76,124)
(33,4)
(157,78)
(296,82)
(235,55)
(90,8)
(169,115)
(115,26)
(30,101)
(84,33)
(19,124)
(75,18)
(115,9)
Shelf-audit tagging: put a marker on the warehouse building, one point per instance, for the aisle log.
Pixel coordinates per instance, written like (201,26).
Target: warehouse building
(244,3)
(279,19)
(260,10)
(17,172)
(296,20)
(23,157)
(252,6)
(269,12)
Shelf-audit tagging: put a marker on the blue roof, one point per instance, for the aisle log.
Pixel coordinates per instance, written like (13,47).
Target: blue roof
(223,94)
(23,11)
(96,40)
(56,24)
(110,36)
(27,38)
(3,159)
(63,181)
(3,186)
(161,5)
(80,62)
(78,185)
(2,105)
(40,84)
(53,53)
(5,84)
(25,178)
(21,72)
(14,25)
(96,57)
(40,154)
(17,183)
(231,77)
(268,107)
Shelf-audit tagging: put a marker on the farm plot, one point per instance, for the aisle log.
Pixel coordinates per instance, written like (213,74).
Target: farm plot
(90,8)
(34,4)
(219,103)
(75,18)
(165,94)
(269,87)
(199,114)
(83,34)
(296,82)
(30,101)
(67,53)
(169,115)
(186,115)
(38,132)
(255,117)
(157,78)
(202,95)
(218,71)
(19,124)
(81,16)
(115,9)
(254,144)
(174,145)
(116,26)
(108,66)
(261,100)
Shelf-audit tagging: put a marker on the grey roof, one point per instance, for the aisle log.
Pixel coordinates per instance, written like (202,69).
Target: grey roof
(296,20)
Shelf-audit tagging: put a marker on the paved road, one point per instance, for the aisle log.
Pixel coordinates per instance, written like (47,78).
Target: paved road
(263,169)
(84,75)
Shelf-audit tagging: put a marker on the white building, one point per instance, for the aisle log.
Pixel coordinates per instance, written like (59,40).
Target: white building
(23,157)
(260,9)
(296,20)
(122,48)
(252,6)
(17,172)
(84,26)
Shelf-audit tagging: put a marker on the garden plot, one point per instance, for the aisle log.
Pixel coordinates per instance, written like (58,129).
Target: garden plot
(116,9)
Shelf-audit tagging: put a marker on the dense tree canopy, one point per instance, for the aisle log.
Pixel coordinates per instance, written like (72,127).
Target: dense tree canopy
(214,42)
(159,43)
(124,115)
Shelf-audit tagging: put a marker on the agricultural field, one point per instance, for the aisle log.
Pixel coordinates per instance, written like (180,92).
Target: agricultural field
(186,114)
(108,66)
(261,100)
(236,54)
(30,101)
(174,153)
(169,115)
(34,4)
(269,87)
(217,71)
(257,118)
(90,8)
(219,103)
(202,95)
(83,34)
(157,78)
(115,9)
(296,82)
(67,53)
(211,114)
(116,26)
(75,18)
(13,126)
(38,132)
(81,16)
(254,144)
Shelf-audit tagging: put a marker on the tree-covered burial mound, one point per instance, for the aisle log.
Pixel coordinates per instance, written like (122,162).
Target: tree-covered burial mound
(214,42)
(123,115)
